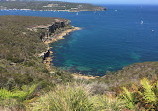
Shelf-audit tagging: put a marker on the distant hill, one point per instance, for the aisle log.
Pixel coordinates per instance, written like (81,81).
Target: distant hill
(18,0)
(48,5)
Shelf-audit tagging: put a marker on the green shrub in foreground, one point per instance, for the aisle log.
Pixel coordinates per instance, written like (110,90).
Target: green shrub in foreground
(64,98)
(108,103)
(16,97)
(75,97)
(142,97)
(78,97)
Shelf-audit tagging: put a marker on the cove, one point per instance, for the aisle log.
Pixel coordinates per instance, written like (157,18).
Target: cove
(109,40)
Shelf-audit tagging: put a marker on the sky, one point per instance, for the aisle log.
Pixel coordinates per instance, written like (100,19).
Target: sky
(114,1)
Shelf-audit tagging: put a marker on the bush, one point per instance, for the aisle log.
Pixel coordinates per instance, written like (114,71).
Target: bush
(16,97)
(144,96)
(108,103)
(65,98)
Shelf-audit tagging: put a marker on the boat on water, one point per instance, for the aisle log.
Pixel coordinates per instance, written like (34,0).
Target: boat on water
(141,22)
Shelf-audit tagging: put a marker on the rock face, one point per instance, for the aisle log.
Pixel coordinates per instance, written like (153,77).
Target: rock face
(51,29)
(45,36)
(42,35)
(57,25)
(47,54)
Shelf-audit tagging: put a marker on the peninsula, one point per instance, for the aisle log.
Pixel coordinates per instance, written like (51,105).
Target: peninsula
(48,6)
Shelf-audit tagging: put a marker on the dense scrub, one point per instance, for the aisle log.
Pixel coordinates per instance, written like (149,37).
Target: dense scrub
(78,97)
(130,74)
(20,47)
(18,44)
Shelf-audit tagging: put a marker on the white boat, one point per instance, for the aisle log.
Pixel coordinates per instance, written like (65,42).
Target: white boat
(77,13)
(141,22)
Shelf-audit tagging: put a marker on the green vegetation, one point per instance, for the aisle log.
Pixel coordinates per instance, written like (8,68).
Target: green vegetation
(20,47)
(144,96)
(27,84)
(130,74)
(7,98)
(70,97)
(49,5)
(77,97)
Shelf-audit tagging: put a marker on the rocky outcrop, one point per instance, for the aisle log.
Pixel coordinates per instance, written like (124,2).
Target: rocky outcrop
(50,33)
(58,25)
(47,54)
(51,29)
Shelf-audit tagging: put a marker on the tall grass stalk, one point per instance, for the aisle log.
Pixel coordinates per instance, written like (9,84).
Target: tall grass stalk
(65,98)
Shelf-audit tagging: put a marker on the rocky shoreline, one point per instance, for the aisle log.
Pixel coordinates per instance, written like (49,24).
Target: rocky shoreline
(59,36)
(51,36)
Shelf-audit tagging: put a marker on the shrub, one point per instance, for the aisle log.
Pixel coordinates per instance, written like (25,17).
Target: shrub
(108,103)
(144,96)
(65,98)
(20,95)
(16,97)
(130,98)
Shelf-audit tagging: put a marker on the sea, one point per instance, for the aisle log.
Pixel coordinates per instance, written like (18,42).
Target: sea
(108,41)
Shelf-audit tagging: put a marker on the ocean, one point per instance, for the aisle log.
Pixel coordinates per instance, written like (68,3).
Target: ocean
(109,40)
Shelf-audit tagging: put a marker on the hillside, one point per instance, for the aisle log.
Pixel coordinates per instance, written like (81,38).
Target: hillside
(27,84)
(49,5)
(20,47)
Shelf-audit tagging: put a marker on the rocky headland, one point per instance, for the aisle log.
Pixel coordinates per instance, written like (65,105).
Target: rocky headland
(53,32)
(48,6)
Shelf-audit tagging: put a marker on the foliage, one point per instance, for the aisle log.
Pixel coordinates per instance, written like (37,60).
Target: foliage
(144,96)
(148,93)
(20,66)
(65,98)
(20,46)
(130,99)
(108,103)
(16,93)
(16,97)
(78,97)
(129,75)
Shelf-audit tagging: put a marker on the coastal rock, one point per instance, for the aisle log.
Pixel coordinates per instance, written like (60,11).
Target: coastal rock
(46,55)
(57,25)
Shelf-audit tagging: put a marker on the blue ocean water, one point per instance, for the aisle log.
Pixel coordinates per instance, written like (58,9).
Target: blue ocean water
(108,41)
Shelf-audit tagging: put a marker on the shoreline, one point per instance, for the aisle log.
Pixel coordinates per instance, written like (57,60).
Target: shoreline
(59,36)
(71,11)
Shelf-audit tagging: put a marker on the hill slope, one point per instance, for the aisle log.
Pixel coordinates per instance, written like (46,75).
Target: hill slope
(21,43)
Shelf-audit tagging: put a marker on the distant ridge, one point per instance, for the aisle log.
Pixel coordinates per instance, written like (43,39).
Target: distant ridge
(17,0)
(48,5)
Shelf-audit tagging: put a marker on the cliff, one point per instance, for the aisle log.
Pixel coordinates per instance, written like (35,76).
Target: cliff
(52,33)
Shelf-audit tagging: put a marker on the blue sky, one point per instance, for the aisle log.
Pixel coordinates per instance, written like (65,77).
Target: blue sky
(114,1)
